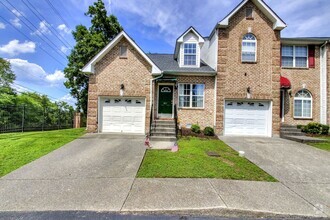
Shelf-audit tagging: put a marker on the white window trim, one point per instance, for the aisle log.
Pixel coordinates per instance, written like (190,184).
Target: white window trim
(190,103)
(255,49)
(294,57)
(302,105)
(196,64)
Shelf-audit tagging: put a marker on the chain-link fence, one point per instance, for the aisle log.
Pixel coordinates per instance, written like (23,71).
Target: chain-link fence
(20,118)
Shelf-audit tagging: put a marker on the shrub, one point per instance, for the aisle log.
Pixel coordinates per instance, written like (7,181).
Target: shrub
(316,128)
(325,129)
(208,131)
(195,128)
(300,127)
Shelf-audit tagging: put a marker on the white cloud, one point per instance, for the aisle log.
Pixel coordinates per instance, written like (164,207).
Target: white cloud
(43,28)
(64,29)
(2,25)
(14,47)
(16,22)
(65,49)
(57,76)
(17,13)
(33,73)
(68,99)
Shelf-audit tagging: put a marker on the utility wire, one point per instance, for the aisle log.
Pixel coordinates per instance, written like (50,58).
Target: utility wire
(29,90)
(44,50)
(41,18)
(57,13)
(34,27)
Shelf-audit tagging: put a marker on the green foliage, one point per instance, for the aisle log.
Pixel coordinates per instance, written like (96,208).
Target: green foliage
(196,128)
(6,77)
(316,128)
(88,43)
(208,131)
(191,161)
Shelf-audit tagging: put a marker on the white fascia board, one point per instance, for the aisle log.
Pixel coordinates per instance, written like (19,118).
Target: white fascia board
(89,67)
(278,24)
(200,38)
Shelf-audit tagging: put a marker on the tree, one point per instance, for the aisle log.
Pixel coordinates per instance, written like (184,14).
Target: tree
(88,43)
(7,77)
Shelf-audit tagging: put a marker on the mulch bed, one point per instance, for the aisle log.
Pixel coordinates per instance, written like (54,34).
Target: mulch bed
(186,132)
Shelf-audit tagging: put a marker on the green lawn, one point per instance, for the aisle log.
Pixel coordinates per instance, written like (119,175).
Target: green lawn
(18,149)
(323,145)
(191,161)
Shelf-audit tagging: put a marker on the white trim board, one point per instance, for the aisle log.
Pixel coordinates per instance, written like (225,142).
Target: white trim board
(89,67)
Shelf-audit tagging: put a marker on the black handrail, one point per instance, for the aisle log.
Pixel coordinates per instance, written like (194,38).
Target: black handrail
(176,120)
(151,119)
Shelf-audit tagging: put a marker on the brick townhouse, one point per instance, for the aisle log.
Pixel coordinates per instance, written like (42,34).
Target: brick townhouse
(242,79)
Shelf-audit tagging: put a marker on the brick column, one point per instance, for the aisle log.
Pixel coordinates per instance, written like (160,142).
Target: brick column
(76,120)
(92,105)
(328,84)
(221,78)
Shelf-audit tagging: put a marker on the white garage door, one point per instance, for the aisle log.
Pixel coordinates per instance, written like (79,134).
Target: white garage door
(123,115)
(247,118)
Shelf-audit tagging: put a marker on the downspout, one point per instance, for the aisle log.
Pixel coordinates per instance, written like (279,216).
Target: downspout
(323,78)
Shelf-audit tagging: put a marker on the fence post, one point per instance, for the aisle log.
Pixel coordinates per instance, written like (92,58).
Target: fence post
(58,122)
(43,118)
(23,116)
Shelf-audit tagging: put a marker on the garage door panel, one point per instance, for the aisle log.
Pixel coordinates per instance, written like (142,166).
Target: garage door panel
(246,118)
(123,115)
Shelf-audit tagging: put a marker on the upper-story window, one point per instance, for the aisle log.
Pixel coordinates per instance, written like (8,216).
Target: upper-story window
(249,13)
(190,54)
(294,56)
(249,48)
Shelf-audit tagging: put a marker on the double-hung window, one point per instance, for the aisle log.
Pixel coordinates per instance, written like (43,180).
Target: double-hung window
(191,95)
(294,56)
(249,48)
(303,104)
(190,54)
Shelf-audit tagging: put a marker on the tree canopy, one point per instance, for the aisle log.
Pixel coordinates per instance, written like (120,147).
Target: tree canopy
(89,41)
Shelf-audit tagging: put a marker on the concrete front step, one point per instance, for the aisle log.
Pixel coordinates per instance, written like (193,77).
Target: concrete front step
(163,129)
(154,126)
(290,129)
(303,139)
(292,133)
(288,126)
(163,133)
(162,138)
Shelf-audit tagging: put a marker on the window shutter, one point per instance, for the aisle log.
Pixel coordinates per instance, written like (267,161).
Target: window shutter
(311,56)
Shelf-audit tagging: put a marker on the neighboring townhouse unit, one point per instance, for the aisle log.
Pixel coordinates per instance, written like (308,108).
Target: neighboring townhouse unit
(243,79)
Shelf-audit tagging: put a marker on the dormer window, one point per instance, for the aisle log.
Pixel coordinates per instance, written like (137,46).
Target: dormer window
(190,54)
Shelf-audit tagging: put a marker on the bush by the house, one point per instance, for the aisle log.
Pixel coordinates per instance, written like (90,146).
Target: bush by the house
(196,128)
(208,131)
(316,128)
(300,127)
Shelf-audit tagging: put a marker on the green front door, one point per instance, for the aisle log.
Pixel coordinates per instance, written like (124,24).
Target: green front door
(165,99)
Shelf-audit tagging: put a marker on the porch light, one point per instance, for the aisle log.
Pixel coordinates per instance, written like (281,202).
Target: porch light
(248,92)
(121,91)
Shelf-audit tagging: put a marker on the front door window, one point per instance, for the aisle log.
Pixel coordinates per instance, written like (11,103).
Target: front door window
(165,95)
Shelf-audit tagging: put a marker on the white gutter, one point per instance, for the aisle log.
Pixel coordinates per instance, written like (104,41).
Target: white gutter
(323,83)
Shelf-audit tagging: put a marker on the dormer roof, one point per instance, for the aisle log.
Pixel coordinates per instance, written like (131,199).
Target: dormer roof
(179,40)
(278,23)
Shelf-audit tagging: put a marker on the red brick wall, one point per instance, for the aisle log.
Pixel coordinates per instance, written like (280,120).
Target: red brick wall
(234,77)
(298,77)
(112,71)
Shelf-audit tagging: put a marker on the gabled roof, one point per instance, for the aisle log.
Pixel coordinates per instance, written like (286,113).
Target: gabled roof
(278,23)
(169,65)
(89,67)
(180,39)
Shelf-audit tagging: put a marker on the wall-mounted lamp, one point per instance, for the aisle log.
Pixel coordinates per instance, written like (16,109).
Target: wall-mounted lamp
(248,92)
(122,88)
(290,92)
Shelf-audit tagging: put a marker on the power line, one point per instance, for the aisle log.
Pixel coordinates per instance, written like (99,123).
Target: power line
(29,89)
(41,18)
(55,50)
(44,50)
(57,13)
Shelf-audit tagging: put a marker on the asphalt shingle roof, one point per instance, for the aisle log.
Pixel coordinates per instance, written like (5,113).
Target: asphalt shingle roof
(168,64)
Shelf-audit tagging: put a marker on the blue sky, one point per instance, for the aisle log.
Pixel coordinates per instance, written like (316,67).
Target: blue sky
(26,26)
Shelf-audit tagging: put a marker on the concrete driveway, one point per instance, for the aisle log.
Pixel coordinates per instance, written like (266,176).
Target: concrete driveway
(301,168)
(94,172)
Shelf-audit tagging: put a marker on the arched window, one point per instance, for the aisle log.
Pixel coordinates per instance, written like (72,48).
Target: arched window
(249,48)
(303,104)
